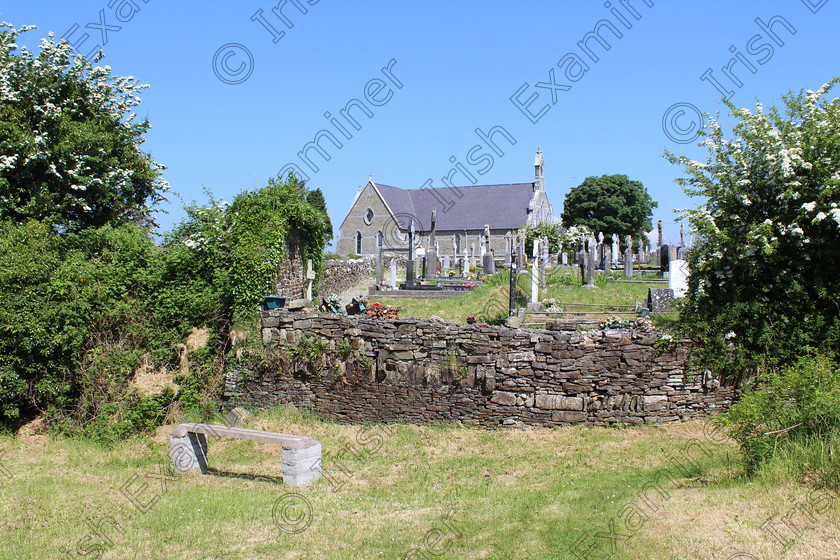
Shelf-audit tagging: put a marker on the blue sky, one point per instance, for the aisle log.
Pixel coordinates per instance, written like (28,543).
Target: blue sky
(454,67)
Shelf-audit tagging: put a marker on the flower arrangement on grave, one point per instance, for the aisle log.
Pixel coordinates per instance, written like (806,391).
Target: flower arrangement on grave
(382,311)
(644,324)
(616,322)
(551,305)
(331,304)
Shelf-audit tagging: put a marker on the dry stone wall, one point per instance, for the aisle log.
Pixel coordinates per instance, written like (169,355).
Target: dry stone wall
(424,371)
(340,275)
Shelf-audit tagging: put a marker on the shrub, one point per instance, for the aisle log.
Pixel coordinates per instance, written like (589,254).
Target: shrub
(792,416)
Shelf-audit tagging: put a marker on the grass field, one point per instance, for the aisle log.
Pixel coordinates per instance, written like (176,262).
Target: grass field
(490,301)
(441,491)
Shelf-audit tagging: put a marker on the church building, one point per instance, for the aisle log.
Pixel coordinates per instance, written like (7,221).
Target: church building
(381,216)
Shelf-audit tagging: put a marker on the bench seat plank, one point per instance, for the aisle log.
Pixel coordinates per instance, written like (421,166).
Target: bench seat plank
(301,463)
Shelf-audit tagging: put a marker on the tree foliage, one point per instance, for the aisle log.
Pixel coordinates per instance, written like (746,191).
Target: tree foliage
(765,271)
(231,252)
(610,204)
(69,143)
(567,238)
(75,318)
(81,310)
(316,199)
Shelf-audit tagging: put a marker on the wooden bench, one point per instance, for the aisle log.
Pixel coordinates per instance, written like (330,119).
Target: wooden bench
(301,455)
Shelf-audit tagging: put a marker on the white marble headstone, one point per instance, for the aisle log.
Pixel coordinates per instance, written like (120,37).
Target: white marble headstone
(678,277)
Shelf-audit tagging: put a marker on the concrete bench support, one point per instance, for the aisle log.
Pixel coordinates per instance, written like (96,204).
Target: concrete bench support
(301,455)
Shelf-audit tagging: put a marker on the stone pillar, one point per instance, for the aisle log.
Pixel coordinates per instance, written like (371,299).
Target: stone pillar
(378,265)
(393,274)
(508,251)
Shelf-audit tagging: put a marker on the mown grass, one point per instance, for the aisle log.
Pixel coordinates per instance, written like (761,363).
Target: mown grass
(489,302)
(446,491)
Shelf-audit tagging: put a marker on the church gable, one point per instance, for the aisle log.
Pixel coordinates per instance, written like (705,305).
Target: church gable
(366,223)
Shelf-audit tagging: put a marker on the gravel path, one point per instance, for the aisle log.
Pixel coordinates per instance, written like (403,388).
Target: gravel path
(360,288)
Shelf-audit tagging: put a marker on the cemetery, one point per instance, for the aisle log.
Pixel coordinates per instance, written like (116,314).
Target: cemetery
(470,374)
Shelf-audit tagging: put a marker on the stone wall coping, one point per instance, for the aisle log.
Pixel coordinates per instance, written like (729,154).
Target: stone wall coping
(502,330)
(287,441)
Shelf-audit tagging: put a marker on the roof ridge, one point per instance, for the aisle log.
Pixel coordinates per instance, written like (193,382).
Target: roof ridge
(456,186)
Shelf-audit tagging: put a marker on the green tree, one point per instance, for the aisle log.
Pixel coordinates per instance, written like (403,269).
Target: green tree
(765,271)
(610,204)
(316,200)
(69,141)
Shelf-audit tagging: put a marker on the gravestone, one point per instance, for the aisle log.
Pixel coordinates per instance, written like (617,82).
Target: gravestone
(628,257)
(446,262)
(378,265)
(431,262)
(678,277)
(664,256)
(659,299)
(534,273)
(564,259)
(487,262)
(310,278)
(409,265)
(508,248)
(590,265)
(615,248)
(393,273)
(465,267)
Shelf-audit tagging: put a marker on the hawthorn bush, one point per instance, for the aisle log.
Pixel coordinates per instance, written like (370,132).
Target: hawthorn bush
(764,290)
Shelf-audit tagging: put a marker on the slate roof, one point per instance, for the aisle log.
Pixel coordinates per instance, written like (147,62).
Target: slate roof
(499,206)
